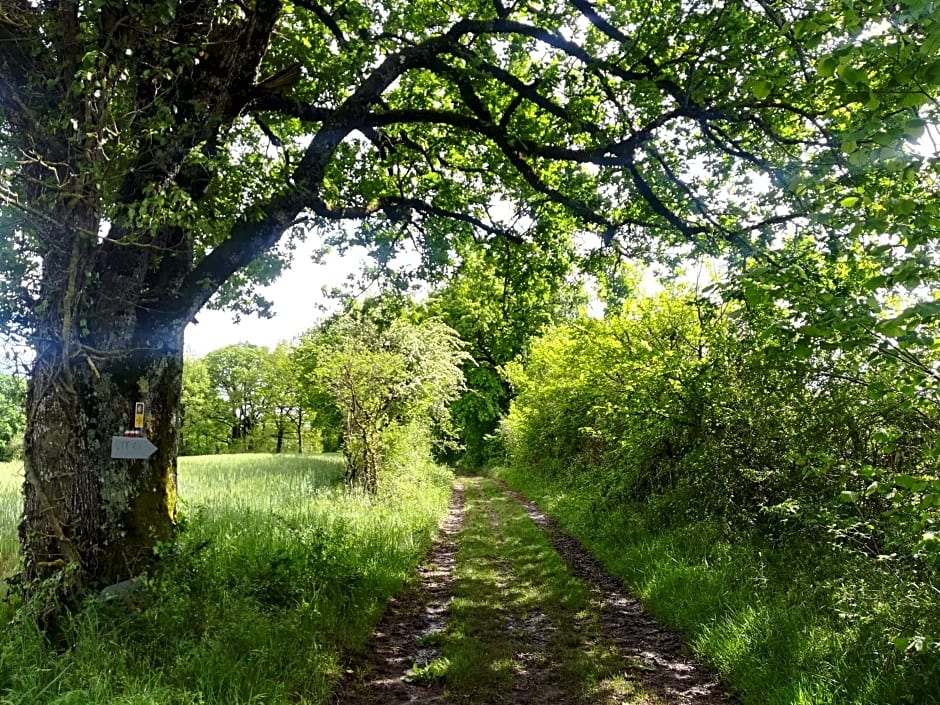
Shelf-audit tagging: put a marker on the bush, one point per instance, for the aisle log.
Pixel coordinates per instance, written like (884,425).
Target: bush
(674,402)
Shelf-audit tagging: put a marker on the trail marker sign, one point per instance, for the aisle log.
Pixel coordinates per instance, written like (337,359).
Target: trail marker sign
(131,447)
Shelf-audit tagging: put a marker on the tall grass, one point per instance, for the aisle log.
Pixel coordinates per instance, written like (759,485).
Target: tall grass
(277,572)
(11,479)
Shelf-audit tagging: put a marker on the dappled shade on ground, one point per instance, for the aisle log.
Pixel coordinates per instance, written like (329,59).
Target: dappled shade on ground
(532,618)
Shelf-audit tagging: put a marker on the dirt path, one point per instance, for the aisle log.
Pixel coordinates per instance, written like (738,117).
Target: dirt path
(667,665)
(510,610)
(381,676)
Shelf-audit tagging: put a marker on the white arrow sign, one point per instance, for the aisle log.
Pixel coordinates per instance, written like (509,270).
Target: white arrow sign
(131,447)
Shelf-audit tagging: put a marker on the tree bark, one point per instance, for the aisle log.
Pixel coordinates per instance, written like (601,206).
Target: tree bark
(116,290)
(87,515)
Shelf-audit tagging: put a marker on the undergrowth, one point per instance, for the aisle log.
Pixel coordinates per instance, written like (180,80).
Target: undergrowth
(277,571)
(785,625)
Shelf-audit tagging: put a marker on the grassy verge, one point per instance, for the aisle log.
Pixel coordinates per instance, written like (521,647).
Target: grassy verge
(784,626)
(277,572)
(519,620)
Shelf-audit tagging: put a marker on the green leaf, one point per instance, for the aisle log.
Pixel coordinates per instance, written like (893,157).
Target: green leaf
(761,88)
(932,72)
(914,128)
(912,484)
(803,351)
(891,328)
(849,201)
(827,66)
(901,643)
(853,77)
(904,206)
(885,139)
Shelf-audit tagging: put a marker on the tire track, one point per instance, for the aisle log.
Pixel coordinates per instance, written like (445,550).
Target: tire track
(646,653)
(656,656)
(380,676)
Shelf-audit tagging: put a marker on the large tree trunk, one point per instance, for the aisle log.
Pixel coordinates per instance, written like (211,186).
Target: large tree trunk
(97,517)
(101,346)
(104,161)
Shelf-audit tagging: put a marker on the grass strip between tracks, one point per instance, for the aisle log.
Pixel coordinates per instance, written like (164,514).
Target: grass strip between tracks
(521,625)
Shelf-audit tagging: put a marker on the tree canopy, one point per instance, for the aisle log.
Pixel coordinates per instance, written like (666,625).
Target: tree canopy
(497,299)
(245,398)
(194,133)
(154,155)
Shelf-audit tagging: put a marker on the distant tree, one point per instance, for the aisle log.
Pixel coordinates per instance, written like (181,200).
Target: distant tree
(206,424)
(238,374)
(385,377)
(12,415)
(287,412)
(497,300)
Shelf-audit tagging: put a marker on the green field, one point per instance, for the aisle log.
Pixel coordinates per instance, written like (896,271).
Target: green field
(277,572)
(11,477)
(219,488)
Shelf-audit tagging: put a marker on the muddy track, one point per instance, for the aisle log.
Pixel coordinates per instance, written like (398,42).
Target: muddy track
(380,675)
(651,655)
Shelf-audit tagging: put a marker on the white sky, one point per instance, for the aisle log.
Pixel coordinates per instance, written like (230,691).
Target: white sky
(297,296)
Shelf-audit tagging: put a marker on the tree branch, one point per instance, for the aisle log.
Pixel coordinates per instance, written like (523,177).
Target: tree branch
(290,107)
(523,90)
(326,18)
(660,208)
(396,207)
(251,237)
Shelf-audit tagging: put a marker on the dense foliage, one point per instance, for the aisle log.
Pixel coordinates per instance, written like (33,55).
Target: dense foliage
(496,300)
(697,410)
(12,416)
(244,398)
(679,411)
(385,377)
